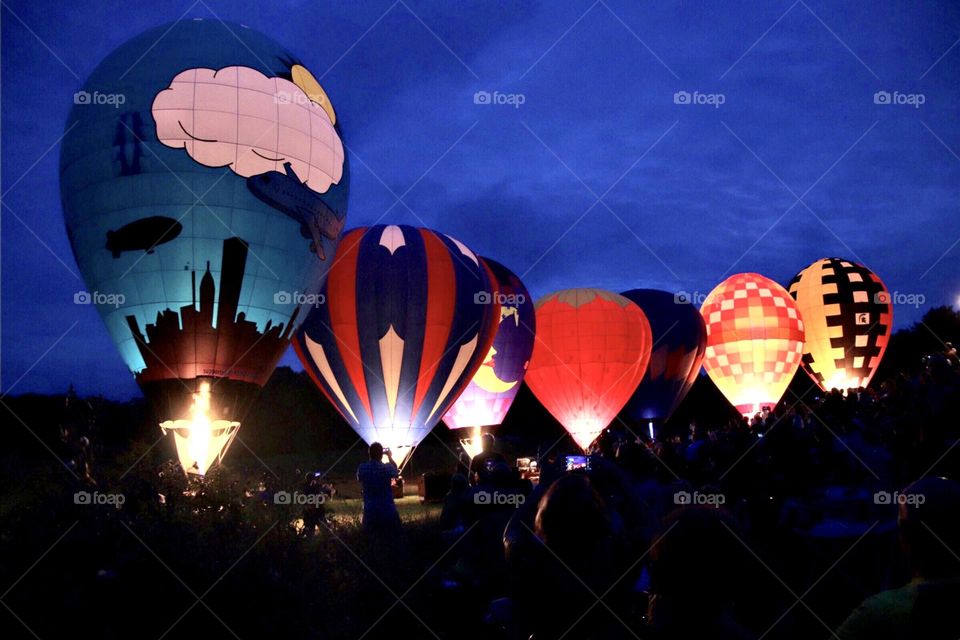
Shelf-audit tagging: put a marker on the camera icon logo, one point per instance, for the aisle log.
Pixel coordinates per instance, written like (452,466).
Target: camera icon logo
(482,497)
(482,297)
(81,97)
(282,297)
(682,497)
(681,97)
(881,297)
(481,97)
(282,497)
(881,97)
(82,297)
(81,497)
(682,297)
(882,497)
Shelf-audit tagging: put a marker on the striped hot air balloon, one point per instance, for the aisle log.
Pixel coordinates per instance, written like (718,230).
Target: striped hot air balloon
(754,340)
(590,353)
(409,316)
(848,317)
(679,342)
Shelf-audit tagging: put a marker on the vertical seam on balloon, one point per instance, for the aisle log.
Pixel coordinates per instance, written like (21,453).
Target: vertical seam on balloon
(276,103)
(439,268)
(310,151)
(236,122)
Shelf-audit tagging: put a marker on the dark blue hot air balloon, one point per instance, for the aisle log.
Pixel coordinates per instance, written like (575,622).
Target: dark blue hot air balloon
(679,343)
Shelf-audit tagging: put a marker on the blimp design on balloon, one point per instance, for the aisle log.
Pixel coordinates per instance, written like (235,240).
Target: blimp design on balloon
(209,202)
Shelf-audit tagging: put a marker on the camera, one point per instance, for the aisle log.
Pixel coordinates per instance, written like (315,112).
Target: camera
(576,463)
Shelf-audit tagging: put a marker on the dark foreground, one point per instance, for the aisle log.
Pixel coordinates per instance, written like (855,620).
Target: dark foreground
(775,529)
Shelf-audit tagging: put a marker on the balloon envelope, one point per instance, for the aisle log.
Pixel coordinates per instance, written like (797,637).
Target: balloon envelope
(591,351)
(406,322)
(201,187)
(679,343)
(754,340)
(848,316)
(490,393)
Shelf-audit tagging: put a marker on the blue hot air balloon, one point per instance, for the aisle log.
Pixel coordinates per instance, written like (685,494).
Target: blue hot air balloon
(204,189)
(679,344)
(488,397)
(407,319)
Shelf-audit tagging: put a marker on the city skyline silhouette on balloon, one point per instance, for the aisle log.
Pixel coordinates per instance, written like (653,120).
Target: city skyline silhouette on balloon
(194,208)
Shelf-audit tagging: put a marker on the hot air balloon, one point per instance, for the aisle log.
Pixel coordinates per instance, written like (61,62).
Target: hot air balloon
(408,319)
(489,395)
(679,342)
(590,353)
(754,340)
(848,317)
(204,187)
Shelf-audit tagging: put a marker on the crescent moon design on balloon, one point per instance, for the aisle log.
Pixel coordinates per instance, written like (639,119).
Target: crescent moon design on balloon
(486,378)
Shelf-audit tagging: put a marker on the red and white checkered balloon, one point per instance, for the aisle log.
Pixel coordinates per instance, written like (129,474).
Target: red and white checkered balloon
(755,340)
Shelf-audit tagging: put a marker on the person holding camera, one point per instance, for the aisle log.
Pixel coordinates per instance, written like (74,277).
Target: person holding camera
(484,463)
(379,512)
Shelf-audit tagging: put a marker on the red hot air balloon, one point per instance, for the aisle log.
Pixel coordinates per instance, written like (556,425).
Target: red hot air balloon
(754,340)
(591,351)
(405,326)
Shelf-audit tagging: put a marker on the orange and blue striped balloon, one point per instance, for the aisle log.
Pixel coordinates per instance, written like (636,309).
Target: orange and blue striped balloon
(408,317)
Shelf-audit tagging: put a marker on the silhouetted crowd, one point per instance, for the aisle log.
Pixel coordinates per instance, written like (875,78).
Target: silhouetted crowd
(829,516)
(833,515)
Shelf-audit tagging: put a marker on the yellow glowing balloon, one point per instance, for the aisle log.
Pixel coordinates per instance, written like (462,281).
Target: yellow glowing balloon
(848,317)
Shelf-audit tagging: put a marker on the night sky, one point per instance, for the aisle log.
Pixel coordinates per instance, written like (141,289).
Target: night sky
(599,178)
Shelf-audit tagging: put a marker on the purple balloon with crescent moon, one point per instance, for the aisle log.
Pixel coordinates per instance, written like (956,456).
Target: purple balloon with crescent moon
(488,397)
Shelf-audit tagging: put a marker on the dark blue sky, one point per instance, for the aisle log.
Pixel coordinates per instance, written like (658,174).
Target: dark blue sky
(798,163)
